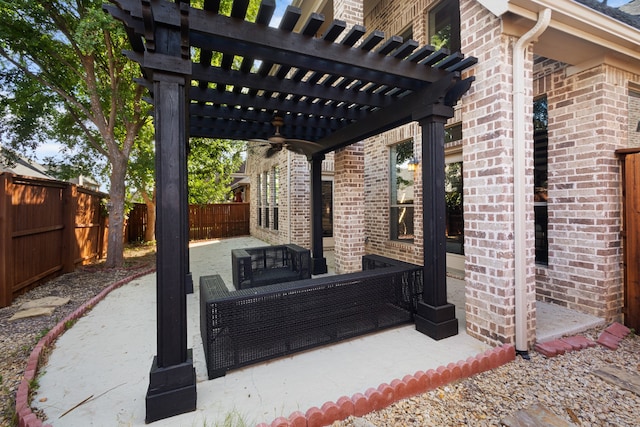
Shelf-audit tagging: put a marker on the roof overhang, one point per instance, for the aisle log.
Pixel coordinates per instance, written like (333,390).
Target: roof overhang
(577,33)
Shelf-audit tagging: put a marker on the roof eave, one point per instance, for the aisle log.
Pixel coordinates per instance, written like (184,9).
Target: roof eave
(577,19)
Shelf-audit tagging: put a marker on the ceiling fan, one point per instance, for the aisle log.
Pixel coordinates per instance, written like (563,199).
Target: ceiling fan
(277,142)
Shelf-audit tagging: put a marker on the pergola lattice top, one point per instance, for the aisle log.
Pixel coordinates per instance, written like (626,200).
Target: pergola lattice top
(331,92)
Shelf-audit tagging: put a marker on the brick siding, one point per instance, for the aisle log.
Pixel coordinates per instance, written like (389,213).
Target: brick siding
(587,122)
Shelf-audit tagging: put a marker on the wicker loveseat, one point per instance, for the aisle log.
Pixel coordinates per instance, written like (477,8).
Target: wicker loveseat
(246,326)
(266,265)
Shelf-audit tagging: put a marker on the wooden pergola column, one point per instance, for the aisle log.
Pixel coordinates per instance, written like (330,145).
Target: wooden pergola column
(436,317)
(172,380)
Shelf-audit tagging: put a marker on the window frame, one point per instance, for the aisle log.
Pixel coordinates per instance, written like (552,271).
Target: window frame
(409,208)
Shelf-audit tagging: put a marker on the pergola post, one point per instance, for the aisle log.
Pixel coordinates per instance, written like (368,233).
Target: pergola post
(318,261)
(435,316)
(172,380)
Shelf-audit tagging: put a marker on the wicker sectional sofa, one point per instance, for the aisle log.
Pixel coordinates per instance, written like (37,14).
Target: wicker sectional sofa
(247,326)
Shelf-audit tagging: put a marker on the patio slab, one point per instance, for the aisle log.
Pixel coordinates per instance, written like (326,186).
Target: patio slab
(98,371)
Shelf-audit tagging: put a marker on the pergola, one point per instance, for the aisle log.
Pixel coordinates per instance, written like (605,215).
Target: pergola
(333,89)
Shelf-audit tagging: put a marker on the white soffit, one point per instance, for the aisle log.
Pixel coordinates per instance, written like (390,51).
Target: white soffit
(576,21)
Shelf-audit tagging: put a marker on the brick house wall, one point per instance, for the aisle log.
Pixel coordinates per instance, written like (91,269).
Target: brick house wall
(588,114)
(592,112)
(294,220)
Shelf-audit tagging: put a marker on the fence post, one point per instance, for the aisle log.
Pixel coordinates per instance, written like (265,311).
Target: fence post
(69,241)
(6,228)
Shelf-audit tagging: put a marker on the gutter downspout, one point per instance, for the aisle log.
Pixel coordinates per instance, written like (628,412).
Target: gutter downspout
(519,167)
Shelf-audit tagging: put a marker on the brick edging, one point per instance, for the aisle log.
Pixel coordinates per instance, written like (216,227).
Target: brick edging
(375,399)
(26,418)
(609,338)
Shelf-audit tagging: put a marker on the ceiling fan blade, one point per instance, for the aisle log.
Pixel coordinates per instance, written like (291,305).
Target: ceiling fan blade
(261,141)
(302,142)
(272,150)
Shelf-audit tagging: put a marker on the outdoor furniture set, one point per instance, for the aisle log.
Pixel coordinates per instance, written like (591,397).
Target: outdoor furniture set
(254,324)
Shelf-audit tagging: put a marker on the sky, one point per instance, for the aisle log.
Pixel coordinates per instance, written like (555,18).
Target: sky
(281,6)
(617,3)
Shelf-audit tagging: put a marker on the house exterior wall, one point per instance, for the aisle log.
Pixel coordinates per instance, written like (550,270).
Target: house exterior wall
(588,121)
(592,112)
(294,216)
(378,196)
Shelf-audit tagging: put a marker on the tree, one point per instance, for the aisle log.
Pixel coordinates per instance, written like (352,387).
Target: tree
(64,79)
(210,165)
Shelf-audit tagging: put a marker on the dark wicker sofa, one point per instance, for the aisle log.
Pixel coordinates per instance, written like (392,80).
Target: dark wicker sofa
(266,265)
(246,326)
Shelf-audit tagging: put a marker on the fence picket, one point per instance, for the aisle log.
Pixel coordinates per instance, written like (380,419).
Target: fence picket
(213,221)
(46,227)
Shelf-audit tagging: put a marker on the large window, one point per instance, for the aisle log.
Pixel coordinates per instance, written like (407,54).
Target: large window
(401,204)
(275,200)
(540,139)
(259,194)
(454,207)
(327,208)
(267,198)
(453,191)
(443,24)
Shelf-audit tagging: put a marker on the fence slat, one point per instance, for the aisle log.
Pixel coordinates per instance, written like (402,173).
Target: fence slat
(213,221)
(46,227)
(6,261)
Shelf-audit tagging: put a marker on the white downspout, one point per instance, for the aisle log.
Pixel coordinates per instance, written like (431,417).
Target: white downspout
(519,167)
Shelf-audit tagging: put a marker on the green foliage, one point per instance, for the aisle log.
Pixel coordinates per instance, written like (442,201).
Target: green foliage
(210,165)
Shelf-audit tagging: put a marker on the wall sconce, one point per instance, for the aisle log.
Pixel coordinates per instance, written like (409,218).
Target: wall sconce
(413,164)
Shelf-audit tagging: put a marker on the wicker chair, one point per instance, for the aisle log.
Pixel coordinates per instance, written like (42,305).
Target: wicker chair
(267,265)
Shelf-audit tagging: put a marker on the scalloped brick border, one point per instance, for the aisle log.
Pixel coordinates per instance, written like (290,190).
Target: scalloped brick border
(410,385)
(26,418)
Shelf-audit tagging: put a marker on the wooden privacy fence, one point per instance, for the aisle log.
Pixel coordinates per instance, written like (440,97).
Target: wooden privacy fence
(46,228)
(631,235)
(213,221)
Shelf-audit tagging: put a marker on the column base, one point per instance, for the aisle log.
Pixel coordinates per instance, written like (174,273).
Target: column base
(318,266)
(172,390)
(437,322)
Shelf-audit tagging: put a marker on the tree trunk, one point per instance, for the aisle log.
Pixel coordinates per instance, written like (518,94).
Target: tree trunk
(115,238)
(150,231)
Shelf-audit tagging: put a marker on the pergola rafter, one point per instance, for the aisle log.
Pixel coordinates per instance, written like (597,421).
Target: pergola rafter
(333,89)
(318,84)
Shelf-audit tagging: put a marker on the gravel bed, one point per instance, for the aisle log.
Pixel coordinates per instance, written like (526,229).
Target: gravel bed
(563,384)
(19,337)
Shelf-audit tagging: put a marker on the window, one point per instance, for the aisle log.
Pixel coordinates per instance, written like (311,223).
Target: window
(401,204)
(540,140)
(443,23)
(327,208)
(276,186)
(454,208)
(453,192)
(267,198)
(260,207)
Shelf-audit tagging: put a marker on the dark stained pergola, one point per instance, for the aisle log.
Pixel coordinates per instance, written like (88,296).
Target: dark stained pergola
(335,90)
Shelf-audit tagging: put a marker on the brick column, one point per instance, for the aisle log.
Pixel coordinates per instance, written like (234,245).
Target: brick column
(348,208)
(487,117)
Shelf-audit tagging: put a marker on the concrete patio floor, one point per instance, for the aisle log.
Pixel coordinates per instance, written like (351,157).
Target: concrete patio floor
(105,358)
